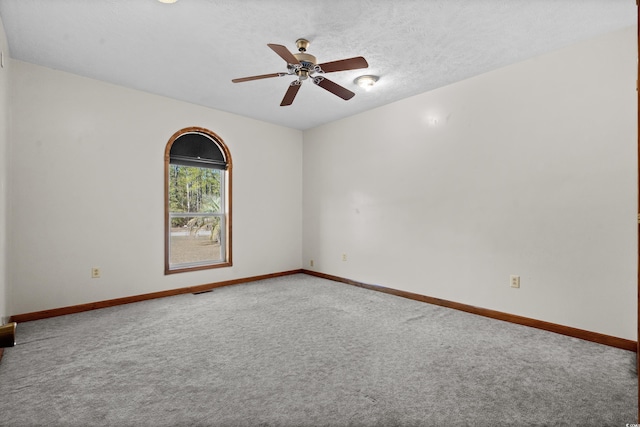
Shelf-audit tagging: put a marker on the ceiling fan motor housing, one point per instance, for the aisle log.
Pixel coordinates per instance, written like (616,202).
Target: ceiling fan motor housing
(308,63)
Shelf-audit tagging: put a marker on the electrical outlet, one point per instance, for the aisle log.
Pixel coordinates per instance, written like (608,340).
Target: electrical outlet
(344,257)
(515,281)
(311,263)
(95,273)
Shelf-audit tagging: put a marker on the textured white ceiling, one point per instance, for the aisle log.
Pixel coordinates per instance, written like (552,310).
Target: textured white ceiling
(192,49)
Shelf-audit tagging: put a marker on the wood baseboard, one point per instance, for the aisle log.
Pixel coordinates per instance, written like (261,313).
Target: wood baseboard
(1,353)
(37,315)
(539,324)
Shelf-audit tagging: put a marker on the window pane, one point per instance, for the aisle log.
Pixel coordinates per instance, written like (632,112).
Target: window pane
(193,189)
(195,240)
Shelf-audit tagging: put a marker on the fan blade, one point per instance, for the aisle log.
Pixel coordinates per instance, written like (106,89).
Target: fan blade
(294,87)
(284,53)
(262,76)
(334,88)
(344,64)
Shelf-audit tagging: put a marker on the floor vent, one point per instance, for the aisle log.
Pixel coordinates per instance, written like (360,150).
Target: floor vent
(203,292)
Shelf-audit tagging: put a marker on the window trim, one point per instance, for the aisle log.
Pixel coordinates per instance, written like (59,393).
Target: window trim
(227,202)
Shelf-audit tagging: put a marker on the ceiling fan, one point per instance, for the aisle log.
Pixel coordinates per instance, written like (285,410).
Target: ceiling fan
(306,67)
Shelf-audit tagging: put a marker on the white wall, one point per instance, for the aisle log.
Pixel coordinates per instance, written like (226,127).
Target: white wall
(529,170)
(87,162)
(4,175)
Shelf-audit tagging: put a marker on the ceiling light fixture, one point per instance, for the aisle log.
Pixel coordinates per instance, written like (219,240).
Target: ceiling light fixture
(167,1)
(366,82)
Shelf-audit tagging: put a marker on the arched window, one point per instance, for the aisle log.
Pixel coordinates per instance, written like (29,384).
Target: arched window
(197,191)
